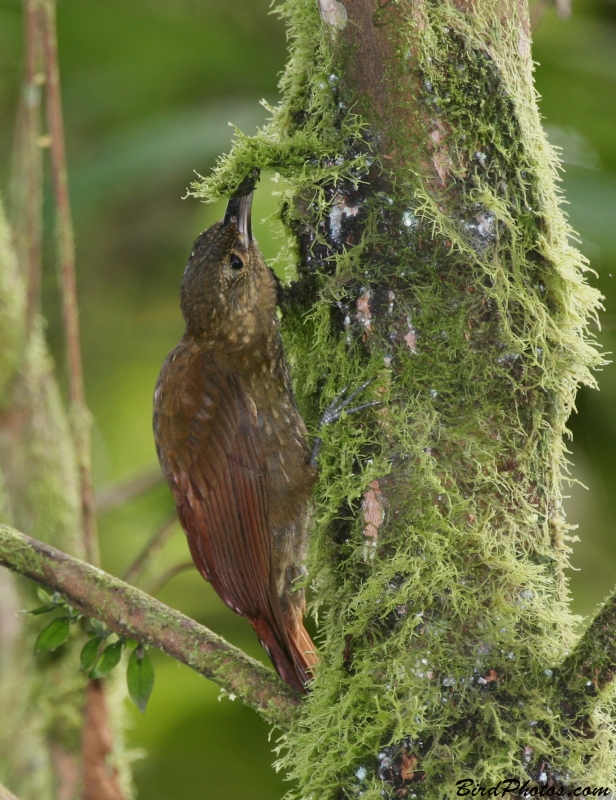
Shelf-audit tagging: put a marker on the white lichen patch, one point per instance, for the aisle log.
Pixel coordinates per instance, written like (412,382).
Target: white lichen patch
(523,44)
(485,224)
(338,211)
(333,12)
(409,220)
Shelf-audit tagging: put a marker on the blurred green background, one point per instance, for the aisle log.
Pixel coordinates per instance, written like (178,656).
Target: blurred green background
(149,87)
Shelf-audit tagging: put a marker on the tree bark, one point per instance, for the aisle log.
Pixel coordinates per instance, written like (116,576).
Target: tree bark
(432,257)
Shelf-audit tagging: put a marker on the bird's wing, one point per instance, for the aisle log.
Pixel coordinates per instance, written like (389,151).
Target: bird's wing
(211,454)
(220,490)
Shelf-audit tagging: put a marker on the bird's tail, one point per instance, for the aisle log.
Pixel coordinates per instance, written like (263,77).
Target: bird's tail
(293,653)
(304,652)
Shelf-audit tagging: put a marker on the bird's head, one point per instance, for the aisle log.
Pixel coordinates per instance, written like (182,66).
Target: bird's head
(228,291)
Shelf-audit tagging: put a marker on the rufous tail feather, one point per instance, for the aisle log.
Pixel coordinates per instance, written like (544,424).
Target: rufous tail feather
(293,663)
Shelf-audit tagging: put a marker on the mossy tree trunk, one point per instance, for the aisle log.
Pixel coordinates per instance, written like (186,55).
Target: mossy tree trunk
(55,733)
(40,700)
(43,752)
(432,257)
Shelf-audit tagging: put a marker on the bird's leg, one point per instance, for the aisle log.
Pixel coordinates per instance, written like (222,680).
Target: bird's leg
(334,411)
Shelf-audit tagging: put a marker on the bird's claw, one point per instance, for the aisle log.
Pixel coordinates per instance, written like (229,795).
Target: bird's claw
(335,410)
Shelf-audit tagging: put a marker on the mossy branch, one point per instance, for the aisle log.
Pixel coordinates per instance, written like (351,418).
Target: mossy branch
(130,612)
(590,668)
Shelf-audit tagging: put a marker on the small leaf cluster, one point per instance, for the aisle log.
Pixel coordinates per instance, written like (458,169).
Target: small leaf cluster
(98,656)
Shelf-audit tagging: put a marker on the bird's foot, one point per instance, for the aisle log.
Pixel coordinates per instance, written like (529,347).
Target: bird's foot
(334,411)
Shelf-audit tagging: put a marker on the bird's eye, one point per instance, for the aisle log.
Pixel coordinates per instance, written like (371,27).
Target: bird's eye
(235,262)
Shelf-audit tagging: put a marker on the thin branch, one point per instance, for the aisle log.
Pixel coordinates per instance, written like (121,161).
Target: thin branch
(101,775)
(164,579)
(80,413)
(123,492)
(27,178)
(33,164)
(65,223)
(160,536)
(42,68)
(130,612)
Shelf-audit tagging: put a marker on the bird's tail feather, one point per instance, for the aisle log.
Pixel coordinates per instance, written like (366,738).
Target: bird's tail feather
(304,652)
(293,658)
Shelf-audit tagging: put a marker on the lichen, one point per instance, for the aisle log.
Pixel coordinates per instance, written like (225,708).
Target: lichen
(438,636)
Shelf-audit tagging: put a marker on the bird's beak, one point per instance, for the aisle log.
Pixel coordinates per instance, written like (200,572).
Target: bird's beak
(239,212)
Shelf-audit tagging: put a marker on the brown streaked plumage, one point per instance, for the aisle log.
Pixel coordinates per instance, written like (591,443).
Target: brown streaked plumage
(232,444)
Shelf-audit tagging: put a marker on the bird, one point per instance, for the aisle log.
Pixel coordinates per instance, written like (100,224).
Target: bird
(232,443)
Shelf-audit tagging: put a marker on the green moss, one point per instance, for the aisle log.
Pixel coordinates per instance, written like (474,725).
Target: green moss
(438,641)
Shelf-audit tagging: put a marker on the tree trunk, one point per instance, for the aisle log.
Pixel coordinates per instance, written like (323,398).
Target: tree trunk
(48,736)
(433,258)
(40,702)
(41,698)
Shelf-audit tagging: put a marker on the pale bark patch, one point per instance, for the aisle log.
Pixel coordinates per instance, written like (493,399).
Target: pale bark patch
(440,156)
(372,507)
(333,12)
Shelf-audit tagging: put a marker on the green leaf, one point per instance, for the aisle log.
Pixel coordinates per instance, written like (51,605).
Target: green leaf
(97,626)
(51,637)
(109,659)
(41,610)
(89,654)
(44,596)
(140,678)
